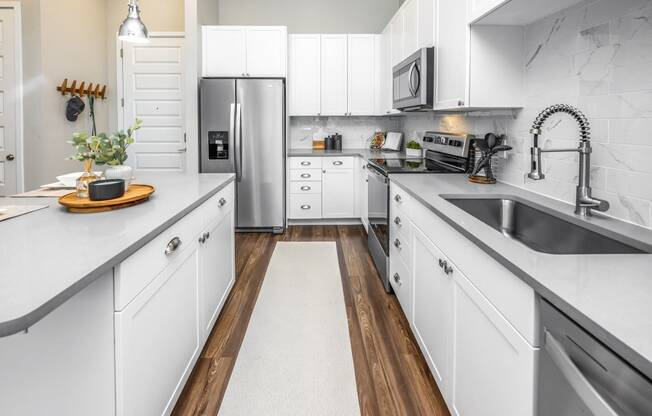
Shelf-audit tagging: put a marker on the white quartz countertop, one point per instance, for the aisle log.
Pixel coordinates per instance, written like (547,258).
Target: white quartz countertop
(609,295)
(49,255)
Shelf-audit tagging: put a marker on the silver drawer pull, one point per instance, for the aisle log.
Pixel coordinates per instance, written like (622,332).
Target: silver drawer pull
(305,163)
(305,207)
(172,246)
(397,221)
(397,243)
(444,265)
(397,279)
(306,188)
(398,198)
(222,202)
(306,175)
(338,163)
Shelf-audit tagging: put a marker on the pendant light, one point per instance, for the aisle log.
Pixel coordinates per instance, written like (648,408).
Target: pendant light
(133,29)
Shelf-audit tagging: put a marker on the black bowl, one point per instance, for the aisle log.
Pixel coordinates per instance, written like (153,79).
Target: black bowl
(106,189)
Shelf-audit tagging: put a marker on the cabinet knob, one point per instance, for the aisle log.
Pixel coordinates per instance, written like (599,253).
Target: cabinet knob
(10,157)
(305,175)
(305,163)
(172,246)
(398,198)
(222,202)
(397,221)
(248,74)
(338,163)
(397,243)
(306,188)
(397,279)
(305,207)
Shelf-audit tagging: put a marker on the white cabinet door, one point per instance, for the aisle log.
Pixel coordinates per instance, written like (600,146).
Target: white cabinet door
(410,27)
(361,74)
(305,75)
(494,365)
(216,270)
(397,35)
(338,193)
(224,51)
(363,194)
(433,308)
(157,340)
(334,85)
(452,54)
(266,48)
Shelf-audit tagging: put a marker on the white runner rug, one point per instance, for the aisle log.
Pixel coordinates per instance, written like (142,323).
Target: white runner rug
(296,356)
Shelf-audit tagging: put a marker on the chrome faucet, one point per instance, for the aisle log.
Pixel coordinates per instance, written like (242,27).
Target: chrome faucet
(584,202)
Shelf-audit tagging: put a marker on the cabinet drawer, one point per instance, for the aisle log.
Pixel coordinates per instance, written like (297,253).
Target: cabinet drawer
(400,277)
(305,163)
(400,246)
(305,206)
(338,163)
(398,198)
(400,226)
(305,188)
(217,206)
(305,175)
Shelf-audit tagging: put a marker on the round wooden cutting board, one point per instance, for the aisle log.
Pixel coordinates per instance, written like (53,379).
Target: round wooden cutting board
(136,194)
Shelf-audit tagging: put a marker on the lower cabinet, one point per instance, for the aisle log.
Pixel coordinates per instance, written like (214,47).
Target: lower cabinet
(216,270)
(338,193)
(433,310)
(480,361)
(157,340)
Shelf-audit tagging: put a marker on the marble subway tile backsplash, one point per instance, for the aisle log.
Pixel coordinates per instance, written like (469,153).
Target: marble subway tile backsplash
(356,131)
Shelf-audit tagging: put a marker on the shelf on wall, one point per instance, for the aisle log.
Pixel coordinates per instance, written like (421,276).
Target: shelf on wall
(522,12)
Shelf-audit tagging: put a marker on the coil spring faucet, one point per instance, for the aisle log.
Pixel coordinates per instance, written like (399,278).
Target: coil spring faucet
(584,202)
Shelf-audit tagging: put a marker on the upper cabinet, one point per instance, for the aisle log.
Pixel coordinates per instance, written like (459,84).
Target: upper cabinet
(411,28)
(514,12)
(452,57)
(333,75)
(244,51)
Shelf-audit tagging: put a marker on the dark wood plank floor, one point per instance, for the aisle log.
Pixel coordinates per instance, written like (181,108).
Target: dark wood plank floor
(391,374)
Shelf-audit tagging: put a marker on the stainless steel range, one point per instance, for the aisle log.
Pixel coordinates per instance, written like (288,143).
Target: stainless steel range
(445,154)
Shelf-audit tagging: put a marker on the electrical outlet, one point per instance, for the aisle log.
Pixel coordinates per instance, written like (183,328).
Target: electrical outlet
(503,155)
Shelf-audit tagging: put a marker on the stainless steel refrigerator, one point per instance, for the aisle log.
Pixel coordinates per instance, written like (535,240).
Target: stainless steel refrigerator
(243,131)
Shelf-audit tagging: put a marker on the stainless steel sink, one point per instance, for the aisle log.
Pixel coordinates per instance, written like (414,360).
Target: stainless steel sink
(540,230)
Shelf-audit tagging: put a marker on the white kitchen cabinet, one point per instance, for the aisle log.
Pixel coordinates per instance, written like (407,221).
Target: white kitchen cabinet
(410,27)
(266,54)
(386,83)
(361,74)
(452,54)
(244,51)
(157,339)
(433,309)
(334,75)
(363,193)
(338,193)
(396,29)
(486,346)
(216,268)
(64,364)
(305,75)
(478,8)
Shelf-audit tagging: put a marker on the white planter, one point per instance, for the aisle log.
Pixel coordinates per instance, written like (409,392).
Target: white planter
(119,172)
(414,153)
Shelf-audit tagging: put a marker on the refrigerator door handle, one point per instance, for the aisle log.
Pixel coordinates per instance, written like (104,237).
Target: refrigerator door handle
(238,142)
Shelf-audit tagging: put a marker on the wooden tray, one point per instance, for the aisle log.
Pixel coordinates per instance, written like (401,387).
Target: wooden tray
(135,195)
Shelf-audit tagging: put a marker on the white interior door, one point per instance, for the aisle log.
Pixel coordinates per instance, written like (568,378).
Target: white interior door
(153,90)
(8,104)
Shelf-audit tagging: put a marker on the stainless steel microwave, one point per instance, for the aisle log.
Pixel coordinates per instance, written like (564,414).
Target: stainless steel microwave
(414,81)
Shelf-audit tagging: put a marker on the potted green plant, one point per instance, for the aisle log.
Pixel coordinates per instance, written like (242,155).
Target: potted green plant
(114,155)
(413,149)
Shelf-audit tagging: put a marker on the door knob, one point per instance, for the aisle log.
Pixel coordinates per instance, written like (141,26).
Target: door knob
(10,157)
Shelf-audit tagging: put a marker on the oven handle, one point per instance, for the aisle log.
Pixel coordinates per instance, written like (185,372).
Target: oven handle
(589,395)
(374,170)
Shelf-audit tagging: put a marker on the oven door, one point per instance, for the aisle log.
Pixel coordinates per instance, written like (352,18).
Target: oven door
(378,210)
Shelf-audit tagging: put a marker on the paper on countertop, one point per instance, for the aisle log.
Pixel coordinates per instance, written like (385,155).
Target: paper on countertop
(13,211)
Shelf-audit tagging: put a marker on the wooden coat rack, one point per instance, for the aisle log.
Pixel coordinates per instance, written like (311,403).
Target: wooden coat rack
(97,91)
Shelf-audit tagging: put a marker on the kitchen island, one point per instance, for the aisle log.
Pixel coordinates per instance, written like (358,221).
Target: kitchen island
(106,313)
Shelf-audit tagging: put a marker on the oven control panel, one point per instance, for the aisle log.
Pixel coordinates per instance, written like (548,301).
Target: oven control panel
(451,144)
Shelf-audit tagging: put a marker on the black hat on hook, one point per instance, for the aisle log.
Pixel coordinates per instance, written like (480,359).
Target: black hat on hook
(74,108)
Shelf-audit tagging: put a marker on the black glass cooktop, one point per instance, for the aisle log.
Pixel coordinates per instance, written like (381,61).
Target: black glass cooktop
(424,165)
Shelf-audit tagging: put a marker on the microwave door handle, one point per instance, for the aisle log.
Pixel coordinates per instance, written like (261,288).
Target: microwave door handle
(410,87)
(238,142)
(587,393)
(413,89)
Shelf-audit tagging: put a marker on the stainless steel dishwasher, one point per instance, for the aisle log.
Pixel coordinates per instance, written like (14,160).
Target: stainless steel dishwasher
(578,375)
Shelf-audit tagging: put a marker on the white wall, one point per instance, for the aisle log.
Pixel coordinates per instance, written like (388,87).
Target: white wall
(310,16)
